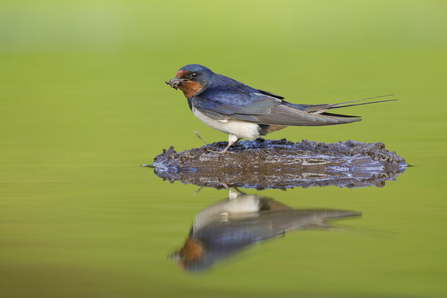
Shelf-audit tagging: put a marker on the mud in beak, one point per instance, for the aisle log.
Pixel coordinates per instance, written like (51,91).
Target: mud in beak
(177,82)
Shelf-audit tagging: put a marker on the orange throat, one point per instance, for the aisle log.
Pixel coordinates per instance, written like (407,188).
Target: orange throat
(192,249)
(191,88)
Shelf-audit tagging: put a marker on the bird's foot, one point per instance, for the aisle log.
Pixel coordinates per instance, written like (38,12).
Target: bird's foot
(232,139)
(226,148)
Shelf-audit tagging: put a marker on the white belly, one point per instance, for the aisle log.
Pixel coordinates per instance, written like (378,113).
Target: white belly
(242,206)
(243,130)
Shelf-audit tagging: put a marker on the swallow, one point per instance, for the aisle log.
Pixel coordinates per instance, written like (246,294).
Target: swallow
(236,223)
(244,112)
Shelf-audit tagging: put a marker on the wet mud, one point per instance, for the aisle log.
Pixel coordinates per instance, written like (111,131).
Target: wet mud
(282,164)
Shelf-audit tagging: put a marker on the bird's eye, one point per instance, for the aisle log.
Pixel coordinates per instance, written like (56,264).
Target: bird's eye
(194,75)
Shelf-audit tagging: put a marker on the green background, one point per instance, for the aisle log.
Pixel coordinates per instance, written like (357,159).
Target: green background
(83,104)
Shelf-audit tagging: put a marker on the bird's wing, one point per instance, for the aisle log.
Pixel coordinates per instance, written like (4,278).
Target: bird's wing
(270,94)
(227,99)
(235,104)
(293,115)
(255,107)
(321,108)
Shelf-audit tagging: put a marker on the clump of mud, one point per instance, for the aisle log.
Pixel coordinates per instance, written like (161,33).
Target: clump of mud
(281,164)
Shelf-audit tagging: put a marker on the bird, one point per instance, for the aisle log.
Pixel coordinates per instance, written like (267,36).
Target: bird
(244,112)
(236,223)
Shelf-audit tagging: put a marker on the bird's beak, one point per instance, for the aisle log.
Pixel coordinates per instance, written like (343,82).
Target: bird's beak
(177,82)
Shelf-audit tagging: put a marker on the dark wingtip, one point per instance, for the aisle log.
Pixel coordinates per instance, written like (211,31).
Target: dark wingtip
(351,118)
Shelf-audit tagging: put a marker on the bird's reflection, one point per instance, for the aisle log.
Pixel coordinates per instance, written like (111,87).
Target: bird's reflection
(241,220)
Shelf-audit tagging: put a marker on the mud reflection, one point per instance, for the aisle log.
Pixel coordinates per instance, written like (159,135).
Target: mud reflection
(233,224)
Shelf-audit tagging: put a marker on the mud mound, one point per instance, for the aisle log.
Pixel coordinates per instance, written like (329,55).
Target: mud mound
(281,164)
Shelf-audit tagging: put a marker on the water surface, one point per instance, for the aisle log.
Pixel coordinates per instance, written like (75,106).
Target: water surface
(83,104)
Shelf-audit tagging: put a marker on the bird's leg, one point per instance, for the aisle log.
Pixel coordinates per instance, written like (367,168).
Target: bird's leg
(240,192)
(200,137)
(232,194)
(232,139)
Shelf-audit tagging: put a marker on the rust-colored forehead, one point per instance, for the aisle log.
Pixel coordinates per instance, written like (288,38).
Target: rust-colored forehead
(180,73)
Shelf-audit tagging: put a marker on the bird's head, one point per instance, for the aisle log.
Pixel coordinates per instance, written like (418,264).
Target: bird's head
(191,79)
(193,256)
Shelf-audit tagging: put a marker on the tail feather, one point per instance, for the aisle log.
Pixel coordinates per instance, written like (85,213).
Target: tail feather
(321,108)
(289,114)
(361,104)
